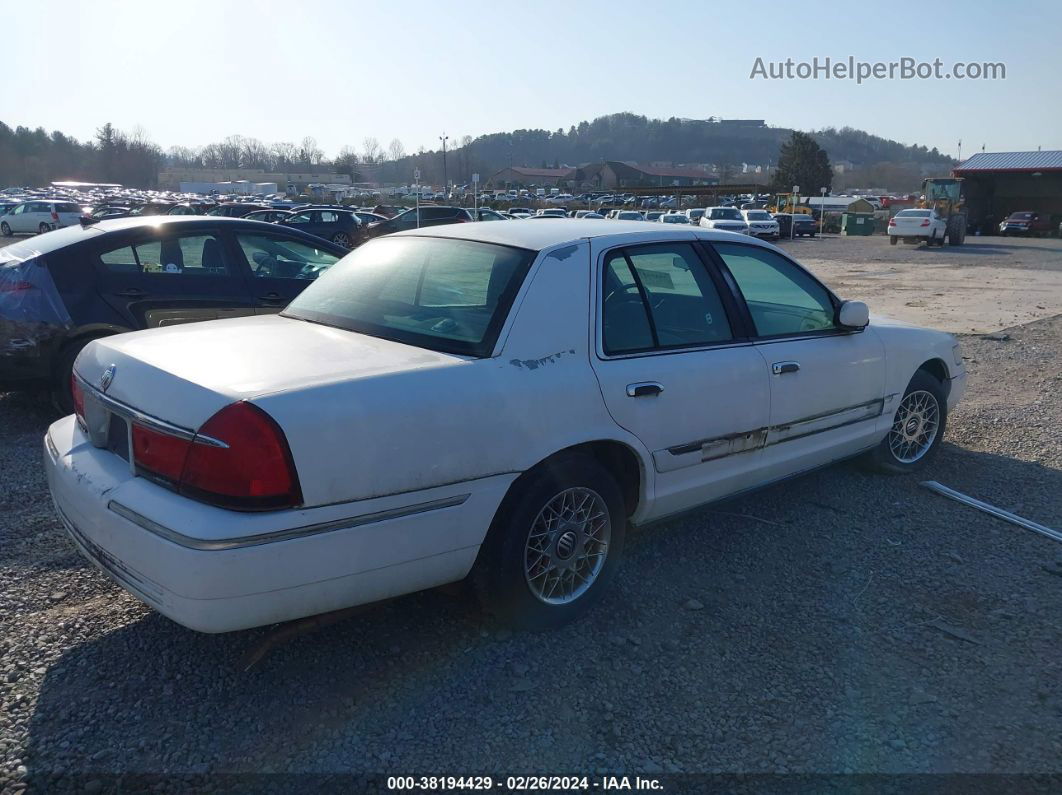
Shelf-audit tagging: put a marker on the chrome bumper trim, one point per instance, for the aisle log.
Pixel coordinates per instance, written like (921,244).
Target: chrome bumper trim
(281,535)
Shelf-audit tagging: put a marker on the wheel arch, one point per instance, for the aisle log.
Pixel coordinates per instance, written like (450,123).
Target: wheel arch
(936,368)
(618,458)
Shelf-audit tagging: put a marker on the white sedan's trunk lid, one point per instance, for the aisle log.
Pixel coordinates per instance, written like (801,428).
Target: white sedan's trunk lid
(184,374)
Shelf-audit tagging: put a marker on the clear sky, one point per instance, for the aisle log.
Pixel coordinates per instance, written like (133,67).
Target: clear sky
(194,71)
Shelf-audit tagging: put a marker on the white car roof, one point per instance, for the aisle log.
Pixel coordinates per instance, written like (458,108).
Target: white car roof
(557,231)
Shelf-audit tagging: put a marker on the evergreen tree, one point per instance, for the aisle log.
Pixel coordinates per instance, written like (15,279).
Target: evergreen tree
(802,162)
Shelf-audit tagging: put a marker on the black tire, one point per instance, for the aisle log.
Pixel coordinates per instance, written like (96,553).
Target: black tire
(62,398)
(343,239)
(5,230)
(893,240)
(883,458)
(500,576)
(43,229)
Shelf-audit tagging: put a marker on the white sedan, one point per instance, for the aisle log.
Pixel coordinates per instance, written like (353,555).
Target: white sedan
(918,226)
(494,401)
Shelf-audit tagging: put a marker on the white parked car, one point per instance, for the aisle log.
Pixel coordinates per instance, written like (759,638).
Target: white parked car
(674,218)
(497,401)
(627,215)
(39,216)
(918,226)
(761,223)
(724,219)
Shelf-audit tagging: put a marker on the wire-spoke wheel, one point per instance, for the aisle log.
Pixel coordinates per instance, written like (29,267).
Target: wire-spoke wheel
(914,429)
(567,546)
(554,545)
(917,427)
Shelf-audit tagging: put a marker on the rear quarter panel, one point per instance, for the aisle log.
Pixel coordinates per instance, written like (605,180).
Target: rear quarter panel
(417,429)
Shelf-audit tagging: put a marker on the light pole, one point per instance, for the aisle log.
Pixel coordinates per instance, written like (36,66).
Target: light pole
(822,209)
(446,183)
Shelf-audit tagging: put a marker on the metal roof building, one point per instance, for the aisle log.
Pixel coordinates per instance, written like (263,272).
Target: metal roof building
(1013,162)
(997,184)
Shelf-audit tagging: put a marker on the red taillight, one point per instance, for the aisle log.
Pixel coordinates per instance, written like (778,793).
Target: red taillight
(253,471)
(892,222)
(79,399)
(925,223)
(159,454)
(55,216)
(239,459)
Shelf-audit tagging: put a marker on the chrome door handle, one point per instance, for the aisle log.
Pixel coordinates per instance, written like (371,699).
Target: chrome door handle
(781,368)
(644,389)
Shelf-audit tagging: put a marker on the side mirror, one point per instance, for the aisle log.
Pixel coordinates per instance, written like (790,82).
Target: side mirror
(853,314)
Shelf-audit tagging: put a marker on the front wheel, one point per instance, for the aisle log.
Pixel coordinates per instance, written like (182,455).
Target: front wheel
(554,545)
(917,427)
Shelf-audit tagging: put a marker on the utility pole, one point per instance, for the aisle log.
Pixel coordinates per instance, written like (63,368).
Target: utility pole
(446,184)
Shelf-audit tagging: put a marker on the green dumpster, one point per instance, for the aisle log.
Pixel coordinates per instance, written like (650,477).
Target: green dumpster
(857,224)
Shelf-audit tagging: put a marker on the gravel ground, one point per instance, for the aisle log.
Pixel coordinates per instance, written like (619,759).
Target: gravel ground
(842,622)
(986,284)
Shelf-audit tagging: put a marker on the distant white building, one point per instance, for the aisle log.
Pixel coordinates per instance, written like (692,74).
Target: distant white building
(242,187)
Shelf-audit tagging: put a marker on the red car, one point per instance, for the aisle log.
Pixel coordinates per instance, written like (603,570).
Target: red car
(1025,222)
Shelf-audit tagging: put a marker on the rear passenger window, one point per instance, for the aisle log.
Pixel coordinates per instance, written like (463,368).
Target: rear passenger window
(660,296)
(120,260)
(191,255)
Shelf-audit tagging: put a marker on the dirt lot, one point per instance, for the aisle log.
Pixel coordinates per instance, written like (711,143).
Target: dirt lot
(842,622)
(984,285)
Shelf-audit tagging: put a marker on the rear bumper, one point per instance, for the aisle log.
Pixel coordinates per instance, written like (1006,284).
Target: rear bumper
(215,571)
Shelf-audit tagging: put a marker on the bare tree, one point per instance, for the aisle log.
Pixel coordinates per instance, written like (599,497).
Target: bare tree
(230,150)
(282,154)
(371,150)
(254,154)
(310,152)
(396,150)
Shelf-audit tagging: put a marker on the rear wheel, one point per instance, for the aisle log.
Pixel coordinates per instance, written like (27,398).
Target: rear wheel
(917,427)
(893,240)
(554,545)
(43,228)
(5,229)
(342,239)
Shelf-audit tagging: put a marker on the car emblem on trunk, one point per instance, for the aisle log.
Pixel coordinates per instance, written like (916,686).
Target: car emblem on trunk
(107,377)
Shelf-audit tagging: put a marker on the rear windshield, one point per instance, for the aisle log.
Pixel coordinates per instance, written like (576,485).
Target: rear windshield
(913,214)
(437,293)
